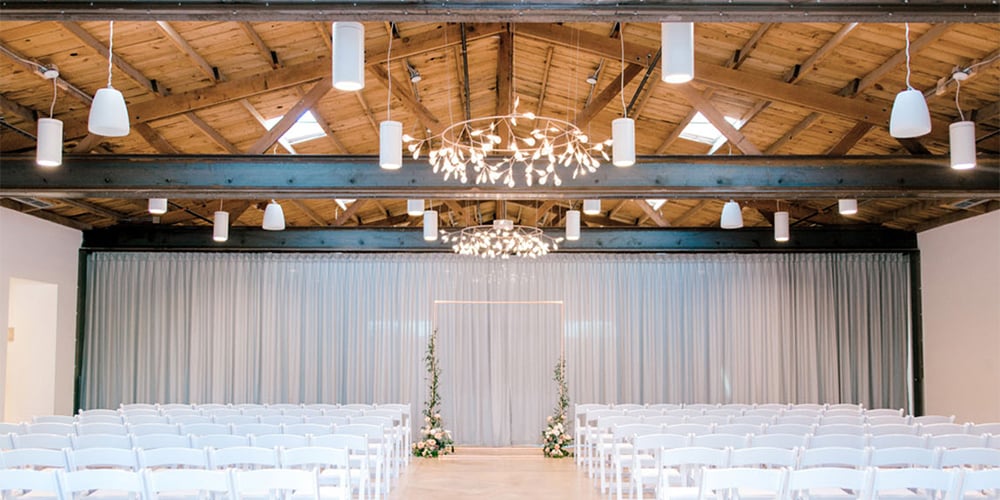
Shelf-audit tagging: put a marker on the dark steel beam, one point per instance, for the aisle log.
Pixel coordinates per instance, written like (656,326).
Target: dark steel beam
(285,177)
(932,11)
(159,238)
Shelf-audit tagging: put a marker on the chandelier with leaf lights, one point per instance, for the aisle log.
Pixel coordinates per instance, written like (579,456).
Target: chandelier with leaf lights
(501,239)
(494,146)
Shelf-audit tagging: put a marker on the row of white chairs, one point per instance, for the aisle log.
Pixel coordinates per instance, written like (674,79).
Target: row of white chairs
(761,409)
(223,417)
(310,483)
(645,460)
(871,483)
(371,470)
(106,414)
(315,427)
(149,441)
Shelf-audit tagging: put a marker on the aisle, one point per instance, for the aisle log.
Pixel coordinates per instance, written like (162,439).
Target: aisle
(496,473)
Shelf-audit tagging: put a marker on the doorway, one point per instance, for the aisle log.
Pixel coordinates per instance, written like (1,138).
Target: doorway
(30,383)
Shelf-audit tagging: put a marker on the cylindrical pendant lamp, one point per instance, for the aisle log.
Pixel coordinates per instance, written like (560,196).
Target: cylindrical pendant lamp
(847,206)
(50,142)
(108,114)
(572,225)
(623,142)
(415,207)
(781,226)
(274,217)
(732,216)
(390,145)
(677,43)
(220,226)
(348,53)
(430,225)
(961,140)
(592,207)
(909,117)
(157,206)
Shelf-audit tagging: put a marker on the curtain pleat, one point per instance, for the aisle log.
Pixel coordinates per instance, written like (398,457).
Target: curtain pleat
(339,328)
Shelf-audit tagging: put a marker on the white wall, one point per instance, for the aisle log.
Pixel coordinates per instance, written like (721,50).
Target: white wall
(38,250)
(960,282)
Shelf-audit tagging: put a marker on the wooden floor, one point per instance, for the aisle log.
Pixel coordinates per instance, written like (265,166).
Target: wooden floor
(496,473)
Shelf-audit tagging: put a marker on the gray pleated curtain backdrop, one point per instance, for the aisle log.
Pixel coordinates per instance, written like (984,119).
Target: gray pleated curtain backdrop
(242,327)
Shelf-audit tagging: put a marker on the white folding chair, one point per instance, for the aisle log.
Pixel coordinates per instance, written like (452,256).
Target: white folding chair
(150,441)
(358,453)
(234,419)
(185,420)
(883,429)
(940,429)
(720,441)
(742,429)
(645,468)
(101,483)
(910,483)
(219,441)
(970,458)
(685,465)
(897,440)
(29,484)
(309,429)
(771,458)
(154,428)
(884,412)
(204,429)
(838,407)
(98,412)
(902,457)
(281,419)
(53,419)
(587,435)
(788,441)
(169,407)
(933,419)
(46,441)
(833,457)
(742,483)
(303,412)
(325,420)
(289,483)
(102,458)
(957,441)
(99,419)
(804,420)
(101,441)
(242,457)
(621,452)
(138,407)
(987,428)
(279,440)
(979,484)
(828,419)
(755,420)
(258,429)
(321,406)
(852,429)
(377,454)
(173,458)
(186,484)
(146,419)
(829,483)
(664,406)
(693,429)
(332,466)
(34,458)
(794,429)
(101,428)
(283,406)
(889,420)
(838,441)
(56,428)
(17,427)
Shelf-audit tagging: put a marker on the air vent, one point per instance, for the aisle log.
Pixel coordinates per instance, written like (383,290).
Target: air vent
(34,202)
(966,204)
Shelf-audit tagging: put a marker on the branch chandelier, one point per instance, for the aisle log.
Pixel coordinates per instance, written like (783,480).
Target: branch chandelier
(494,146)
(501,239)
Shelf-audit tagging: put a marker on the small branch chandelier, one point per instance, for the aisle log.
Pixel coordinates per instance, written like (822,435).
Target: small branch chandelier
(494,145)
(501,239)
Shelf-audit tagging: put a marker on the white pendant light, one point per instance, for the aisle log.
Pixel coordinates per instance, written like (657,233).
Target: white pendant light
(274,217)
(390,145)
(781,226)
(623,140)
(847,206)
(592,207)
(732,216)
(677,43)
(572,225)
(910,117)
(962,141)
(157,206)
(108,114)
(50,142)
(430,225)
(348,53)
(415,207)
(220,226)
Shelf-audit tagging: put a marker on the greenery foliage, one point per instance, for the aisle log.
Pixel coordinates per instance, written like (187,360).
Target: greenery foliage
(558,441)
(434,438)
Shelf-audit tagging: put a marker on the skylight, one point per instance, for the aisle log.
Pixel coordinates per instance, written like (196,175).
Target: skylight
(700,130)
(305,129)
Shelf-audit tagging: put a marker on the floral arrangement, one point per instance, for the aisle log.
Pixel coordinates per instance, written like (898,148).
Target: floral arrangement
(434,438)
(558,440)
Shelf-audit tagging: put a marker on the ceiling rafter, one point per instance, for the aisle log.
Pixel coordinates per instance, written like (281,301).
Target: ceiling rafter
(423,115)
(349,212)
(304,104)
(265,52)
(956,216)
(689,213)
(44,214)
(717,119)
(608,94)
(306,209)
(656,217)
(544,84)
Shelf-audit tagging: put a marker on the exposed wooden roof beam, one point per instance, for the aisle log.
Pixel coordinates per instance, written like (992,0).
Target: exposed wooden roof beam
(185,48)
(844,145)
(956,216)
(263,124)
(45,215)
(304,104)
(95,209)
(546,69)
(212,134)
(265,52)
(691,212)
(424,115)
(718,120)
(367,108)
(505,72)
(910,210)
(315,217)
(652,214)
(349,212)
(609,93)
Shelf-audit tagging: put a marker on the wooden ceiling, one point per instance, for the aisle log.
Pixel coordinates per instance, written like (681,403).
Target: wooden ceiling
(819,91)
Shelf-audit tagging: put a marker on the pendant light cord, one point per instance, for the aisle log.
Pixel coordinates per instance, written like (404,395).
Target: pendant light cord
(111,46)
(621,79)
(55,93)
(908,87)
(958,89)
(388,76)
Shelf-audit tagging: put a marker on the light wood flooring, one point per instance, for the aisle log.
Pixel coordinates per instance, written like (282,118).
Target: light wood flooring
(495,473)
